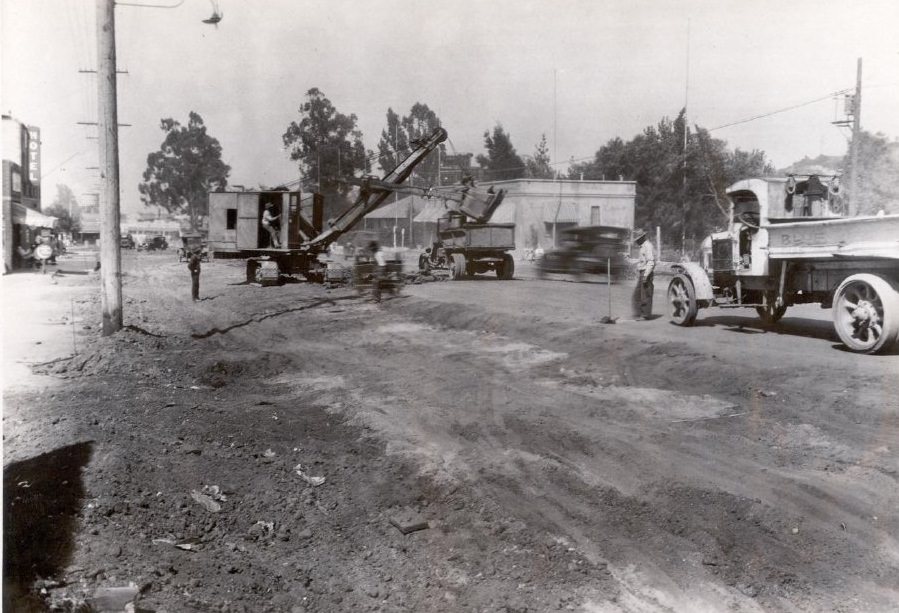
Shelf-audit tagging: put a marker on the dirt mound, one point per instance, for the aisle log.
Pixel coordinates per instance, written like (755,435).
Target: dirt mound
(120,353)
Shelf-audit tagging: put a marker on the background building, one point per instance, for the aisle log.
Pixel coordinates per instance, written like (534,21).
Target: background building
(23,221)
(542,208)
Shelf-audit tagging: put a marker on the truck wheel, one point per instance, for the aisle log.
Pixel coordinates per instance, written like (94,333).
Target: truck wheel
(682,301)
(457,267)
(506,269)
(769,314)
(866,313)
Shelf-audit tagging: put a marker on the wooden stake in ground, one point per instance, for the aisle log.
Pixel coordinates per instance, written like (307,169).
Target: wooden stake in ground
(608,319)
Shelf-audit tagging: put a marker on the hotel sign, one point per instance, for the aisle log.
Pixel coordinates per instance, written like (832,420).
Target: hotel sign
(34,155)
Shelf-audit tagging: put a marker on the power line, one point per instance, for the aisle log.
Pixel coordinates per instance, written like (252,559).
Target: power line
(783,110)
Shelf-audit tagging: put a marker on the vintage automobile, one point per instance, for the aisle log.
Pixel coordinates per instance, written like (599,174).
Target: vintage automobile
(127,242)
(589,250)
(157,243)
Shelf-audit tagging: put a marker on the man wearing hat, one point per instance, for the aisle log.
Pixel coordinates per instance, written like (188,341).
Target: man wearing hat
(193,265)
(271,225)
(646,263)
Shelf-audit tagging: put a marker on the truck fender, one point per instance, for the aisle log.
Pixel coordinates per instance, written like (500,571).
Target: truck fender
(698,276)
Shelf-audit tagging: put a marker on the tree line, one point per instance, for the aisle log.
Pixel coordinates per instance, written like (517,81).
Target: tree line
(680,171)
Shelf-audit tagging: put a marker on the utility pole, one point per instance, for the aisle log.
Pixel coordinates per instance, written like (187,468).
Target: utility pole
(856,137)
(683,236)
(108,131)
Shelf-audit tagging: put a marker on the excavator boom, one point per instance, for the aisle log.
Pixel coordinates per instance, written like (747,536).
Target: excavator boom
(371,199)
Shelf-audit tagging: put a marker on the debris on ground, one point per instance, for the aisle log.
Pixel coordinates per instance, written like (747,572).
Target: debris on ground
(208,503)
(313,481)
(113,598)
(408,521)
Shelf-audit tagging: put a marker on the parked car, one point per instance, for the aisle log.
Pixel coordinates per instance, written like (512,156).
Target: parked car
(126,242)
(157,243)
(589,250)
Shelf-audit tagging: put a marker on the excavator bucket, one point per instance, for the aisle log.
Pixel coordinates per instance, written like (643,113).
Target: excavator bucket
(479,204)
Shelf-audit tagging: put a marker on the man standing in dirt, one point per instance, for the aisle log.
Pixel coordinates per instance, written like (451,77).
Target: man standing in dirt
(646,263)
(193,265)
(379,271)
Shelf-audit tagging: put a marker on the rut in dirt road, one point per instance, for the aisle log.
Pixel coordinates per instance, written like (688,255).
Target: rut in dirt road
(635,476)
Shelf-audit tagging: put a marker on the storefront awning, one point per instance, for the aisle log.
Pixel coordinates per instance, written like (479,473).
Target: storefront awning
(23,215)
(564,212)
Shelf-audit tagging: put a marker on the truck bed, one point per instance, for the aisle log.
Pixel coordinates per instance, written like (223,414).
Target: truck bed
(481,236)
(855,237)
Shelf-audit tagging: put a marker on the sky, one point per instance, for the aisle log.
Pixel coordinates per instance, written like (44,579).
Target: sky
(579,71)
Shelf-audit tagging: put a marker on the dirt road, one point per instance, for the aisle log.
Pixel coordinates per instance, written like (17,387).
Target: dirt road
(560,463)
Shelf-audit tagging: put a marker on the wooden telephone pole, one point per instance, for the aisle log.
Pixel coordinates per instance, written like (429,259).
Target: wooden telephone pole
(108,132)
(856,138)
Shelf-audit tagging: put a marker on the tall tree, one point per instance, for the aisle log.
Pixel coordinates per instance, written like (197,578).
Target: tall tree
(65,209)
(878,174)
(680,189)
(186,168)
(397,140)
(501,162)
(328,148)
(537,166)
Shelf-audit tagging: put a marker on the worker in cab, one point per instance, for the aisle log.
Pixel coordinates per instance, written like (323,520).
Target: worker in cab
(272,225)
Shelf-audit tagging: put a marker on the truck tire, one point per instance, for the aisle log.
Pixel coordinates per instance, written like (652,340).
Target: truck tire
(457,267)
(506,269)
(866,313)
(682,306)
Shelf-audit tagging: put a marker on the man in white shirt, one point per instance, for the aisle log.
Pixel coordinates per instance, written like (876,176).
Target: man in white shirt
(380,269)
(646,263)
(270,223)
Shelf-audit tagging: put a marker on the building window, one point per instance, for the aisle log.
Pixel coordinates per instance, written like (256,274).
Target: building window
(16,182)
(595,216)
(230,219)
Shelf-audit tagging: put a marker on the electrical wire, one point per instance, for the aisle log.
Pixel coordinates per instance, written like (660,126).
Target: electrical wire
(783,110)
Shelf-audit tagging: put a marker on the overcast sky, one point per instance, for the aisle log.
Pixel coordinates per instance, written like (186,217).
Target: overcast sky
(580,71)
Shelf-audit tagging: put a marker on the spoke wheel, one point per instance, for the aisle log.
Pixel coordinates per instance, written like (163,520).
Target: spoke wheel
(768,313)
(866,313)
(682,305)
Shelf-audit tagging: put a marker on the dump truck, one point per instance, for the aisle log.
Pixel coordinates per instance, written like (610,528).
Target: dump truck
(789,242)
(236,228)
(467,244)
